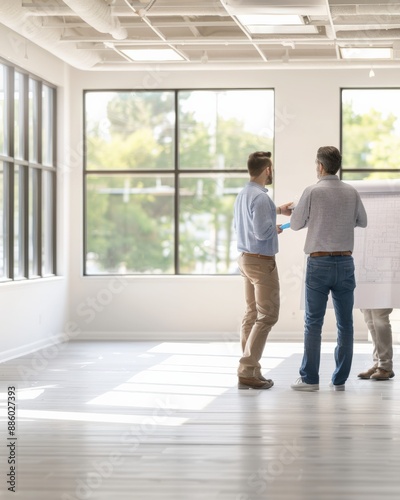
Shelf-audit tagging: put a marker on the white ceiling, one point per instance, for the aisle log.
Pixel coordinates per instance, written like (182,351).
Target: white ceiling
(90,34)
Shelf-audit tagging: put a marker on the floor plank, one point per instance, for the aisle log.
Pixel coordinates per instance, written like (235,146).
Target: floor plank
(165,420)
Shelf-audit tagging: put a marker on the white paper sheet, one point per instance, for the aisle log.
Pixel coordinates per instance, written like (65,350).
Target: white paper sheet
(377,247)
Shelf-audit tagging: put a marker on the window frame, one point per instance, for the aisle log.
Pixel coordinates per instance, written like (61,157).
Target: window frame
(30,246)
(177,172)
(361,170)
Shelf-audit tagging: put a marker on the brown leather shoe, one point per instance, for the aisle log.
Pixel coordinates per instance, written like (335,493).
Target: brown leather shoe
(254,383)
(367,374)
(381,374)
(261,377)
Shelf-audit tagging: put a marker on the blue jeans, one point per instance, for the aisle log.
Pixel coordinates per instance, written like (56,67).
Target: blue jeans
(328,274)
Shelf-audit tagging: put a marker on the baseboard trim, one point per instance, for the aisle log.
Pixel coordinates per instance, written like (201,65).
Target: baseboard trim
(23,350)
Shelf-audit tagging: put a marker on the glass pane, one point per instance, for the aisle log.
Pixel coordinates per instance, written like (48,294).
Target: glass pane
(33,222)
(47,223)
(18,218)
(368,176)
(47,125)
(218,128)
(129,130)
(370,132)
(2,225)
(130,224)
(33,120)
(207,242)
(19,116)
(3,110)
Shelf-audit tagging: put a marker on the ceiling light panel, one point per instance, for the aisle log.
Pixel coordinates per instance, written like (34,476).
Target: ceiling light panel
(295,7)
(279,30)
(366,52)
(149,55)
(270,20)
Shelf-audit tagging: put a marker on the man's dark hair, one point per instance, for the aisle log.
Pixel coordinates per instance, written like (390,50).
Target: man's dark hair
(330,158)
(257,162)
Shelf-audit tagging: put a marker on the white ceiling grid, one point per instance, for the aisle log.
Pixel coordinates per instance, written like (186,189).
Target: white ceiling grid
(93,34)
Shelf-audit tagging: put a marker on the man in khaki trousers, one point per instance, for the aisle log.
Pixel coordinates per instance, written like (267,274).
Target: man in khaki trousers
(257,235)
(378,324)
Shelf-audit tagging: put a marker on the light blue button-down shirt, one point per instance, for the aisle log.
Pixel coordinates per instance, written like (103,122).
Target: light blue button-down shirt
(255,221)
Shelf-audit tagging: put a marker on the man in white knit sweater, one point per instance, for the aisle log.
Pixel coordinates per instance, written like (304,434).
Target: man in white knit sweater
(330,209)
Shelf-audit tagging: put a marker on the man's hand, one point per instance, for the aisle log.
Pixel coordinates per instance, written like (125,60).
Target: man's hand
(279,230)
(284,209)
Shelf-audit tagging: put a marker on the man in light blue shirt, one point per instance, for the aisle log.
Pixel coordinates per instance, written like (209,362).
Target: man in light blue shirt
(257,240)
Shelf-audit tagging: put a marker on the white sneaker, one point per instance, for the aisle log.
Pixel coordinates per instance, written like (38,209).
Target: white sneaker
(299,385)
(340,387)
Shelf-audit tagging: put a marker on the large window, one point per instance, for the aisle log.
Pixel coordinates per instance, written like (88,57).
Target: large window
(370,134)
(3,110)
(162,171)
(27,176)
(2,240)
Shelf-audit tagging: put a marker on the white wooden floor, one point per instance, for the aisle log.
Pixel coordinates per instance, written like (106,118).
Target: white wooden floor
(123,421)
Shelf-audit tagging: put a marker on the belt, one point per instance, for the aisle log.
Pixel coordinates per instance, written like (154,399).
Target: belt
(329,254)
(259,256)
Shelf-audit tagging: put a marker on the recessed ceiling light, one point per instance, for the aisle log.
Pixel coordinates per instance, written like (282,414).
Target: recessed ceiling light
(290,30)
(366,52)
(152,54)
(271,19)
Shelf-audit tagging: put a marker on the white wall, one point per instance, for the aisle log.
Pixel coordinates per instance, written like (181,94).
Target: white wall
(307,116)
(34,313)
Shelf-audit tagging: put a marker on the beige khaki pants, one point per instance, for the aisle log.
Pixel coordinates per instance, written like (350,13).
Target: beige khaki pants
(380,328)
(261,285)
